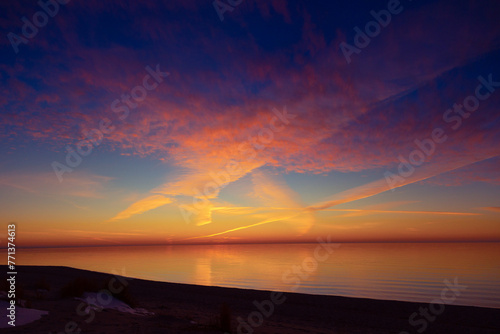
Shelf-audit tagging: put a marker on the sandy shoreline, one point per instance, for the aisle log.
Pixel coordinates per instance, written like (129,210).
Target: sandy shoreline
(184,308)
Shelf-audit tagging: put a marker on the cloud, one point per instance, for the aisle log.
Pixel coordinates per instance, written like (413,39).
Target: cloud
(362,212)
(483,171)
(491,208)
(144,205)
(272,191)
(380,186)
(344,110)
(77,185)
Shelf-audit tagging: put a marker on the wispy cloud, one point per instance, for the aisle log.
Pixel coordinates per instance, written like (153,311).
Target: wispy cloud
(380,186)
(491,208)
(144,205)
(77,185)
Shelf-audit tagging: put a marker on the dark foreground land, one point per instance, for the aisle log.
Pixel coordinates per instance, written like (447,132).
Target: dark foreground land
(183,308)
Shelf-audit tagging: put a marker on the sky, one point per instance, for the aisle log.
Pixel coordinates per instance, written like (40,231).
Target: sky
(177,122)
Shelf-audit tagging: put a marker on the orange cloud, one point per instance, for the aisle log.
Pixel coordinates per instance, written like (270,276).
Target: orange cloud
(492,208)
(144,205)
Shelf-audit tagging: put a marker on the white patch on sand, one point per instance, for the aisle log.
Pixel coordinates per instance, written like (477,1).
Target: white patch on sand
(23,315)
(101,301)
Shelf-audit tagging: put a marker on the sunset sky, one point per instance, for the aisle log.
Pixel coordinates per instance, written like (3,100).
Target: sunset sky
(185,128)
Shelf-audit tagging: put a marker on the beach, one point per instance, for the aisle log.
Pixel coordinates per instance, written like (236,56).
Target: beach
(159,307)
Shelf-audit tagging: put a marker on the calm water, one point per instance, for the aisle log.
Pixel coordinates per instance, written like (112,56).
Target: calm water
(410,272)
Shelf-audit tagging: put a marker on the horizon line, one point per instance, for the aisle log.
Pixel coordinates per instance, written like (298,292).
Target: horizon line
(260,243)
